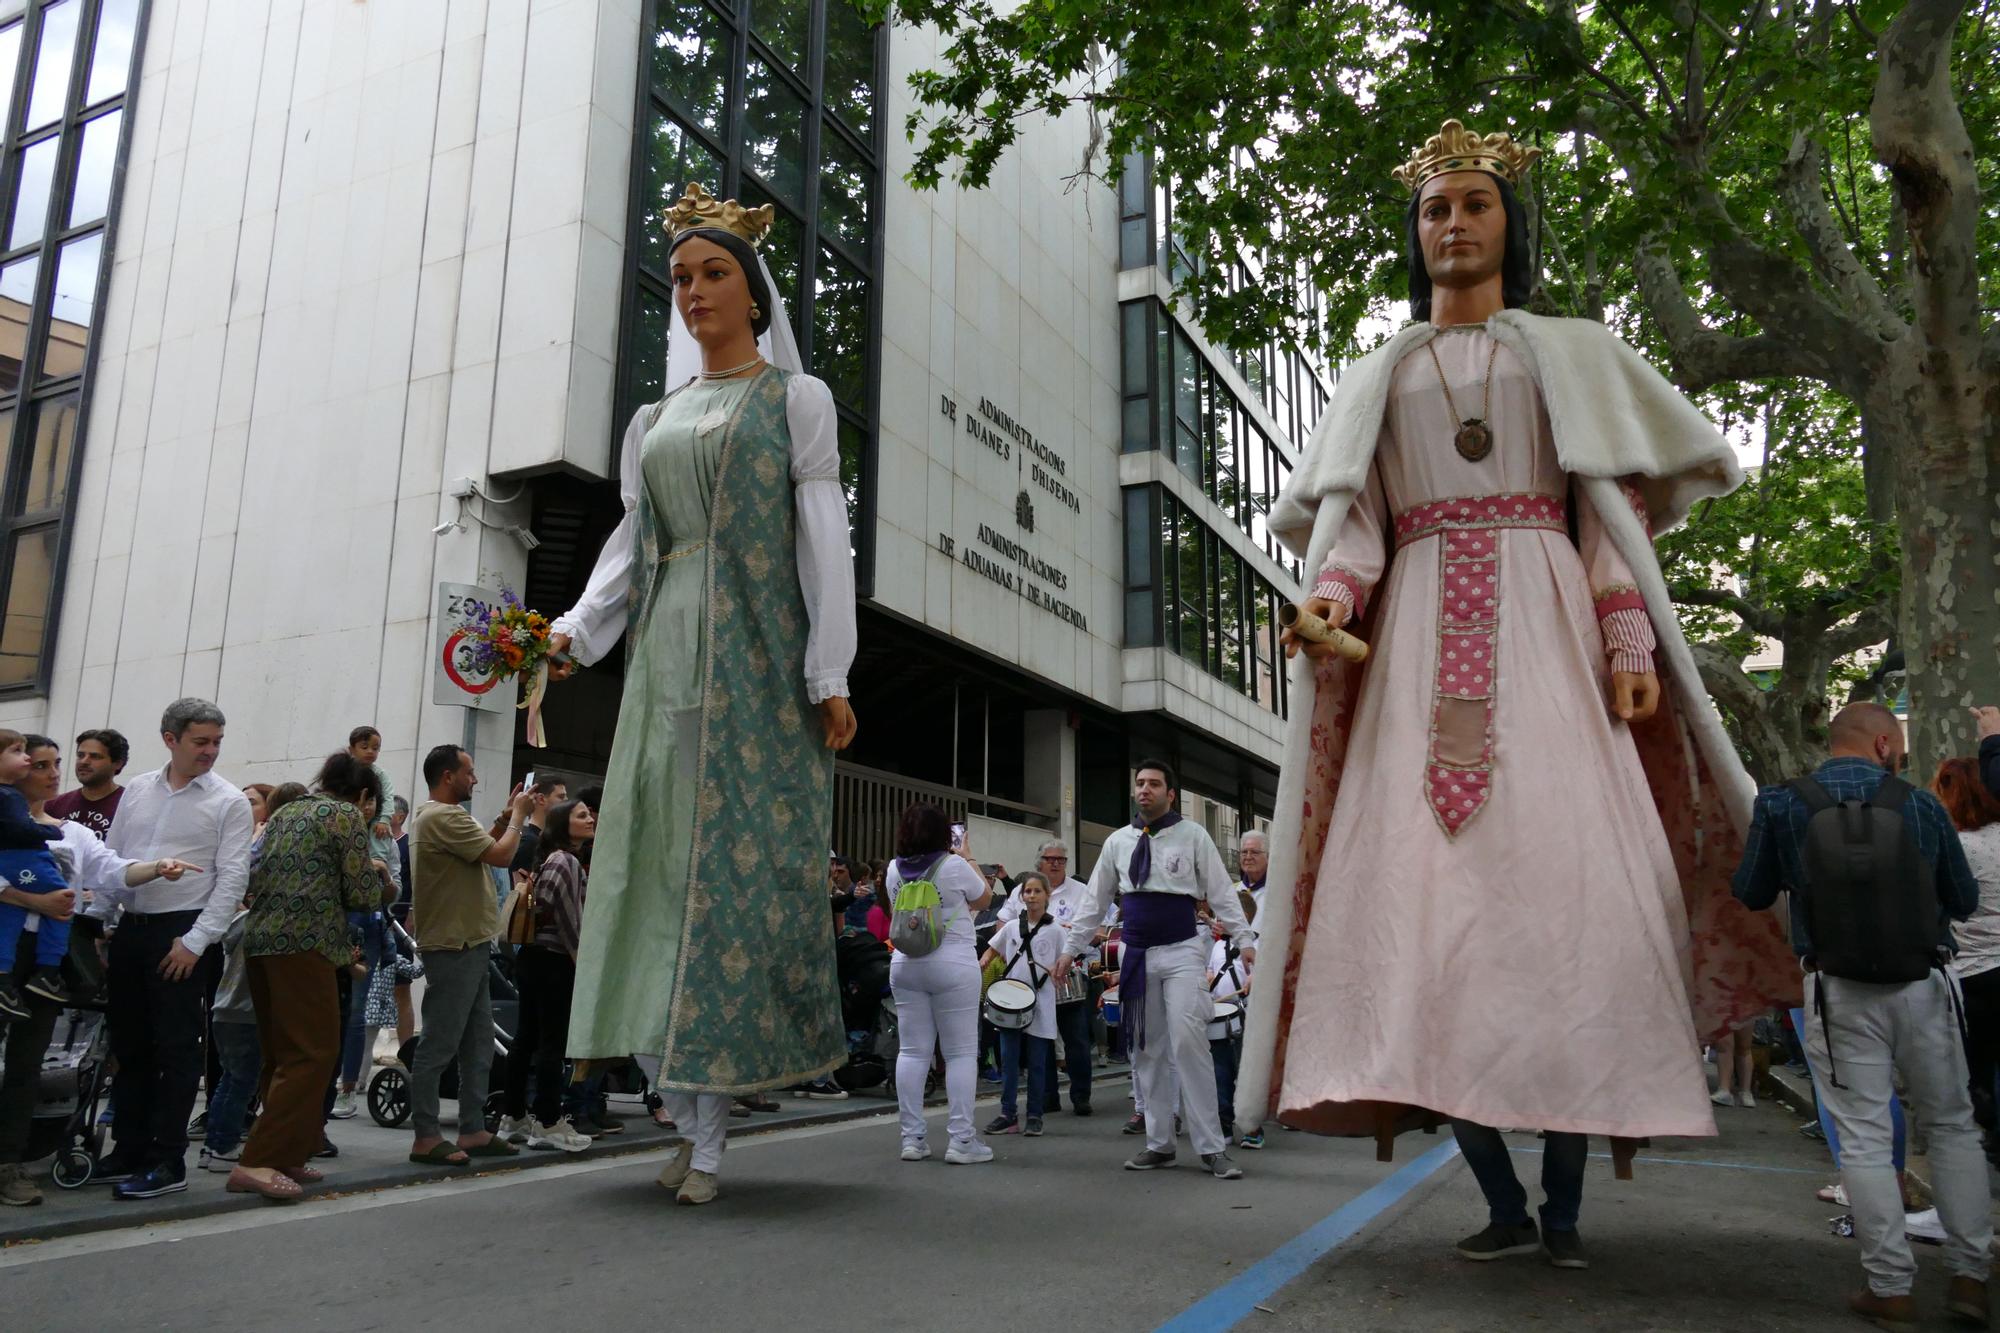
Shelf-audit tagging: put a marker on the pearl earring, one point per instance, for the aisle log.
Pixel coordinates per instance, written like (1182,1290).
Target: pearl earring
(755,313)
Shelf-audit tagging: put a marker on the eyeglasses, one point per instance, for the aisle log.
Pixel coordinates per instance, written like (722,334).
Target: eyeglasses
(1056,860)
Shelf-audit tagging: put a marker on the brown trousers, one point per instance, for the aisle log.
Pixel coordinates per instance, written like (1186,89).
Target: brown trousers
(298,1025)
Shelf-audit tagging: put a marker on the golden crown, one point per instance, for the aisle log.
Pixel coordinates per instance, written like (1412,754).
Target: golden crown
(1455,148)
(699,208)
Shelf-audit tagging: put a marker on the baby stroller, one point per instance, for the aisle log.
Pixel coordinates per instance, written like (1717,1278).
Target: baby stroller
(389,1086)
(72,1085)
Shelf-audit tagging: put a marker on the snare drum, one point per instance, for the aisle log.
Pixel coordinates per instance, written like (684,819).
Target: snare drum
(1076,988)
(1110,1007)
(1009,1004)
(1227,1020)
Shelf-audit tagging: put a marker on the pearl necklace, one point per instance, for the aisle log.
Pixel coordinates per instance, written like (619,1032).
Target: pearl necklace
(733,370)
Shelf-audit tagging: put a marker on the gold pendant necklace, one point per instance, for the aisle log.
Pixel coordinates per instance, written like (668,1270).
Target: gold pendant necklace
(1474,439)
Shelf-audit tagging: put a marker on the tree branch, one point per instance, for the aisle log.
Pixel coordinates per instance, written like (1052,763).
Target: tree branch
(1921,138)
(1874,625)
(1703,357)
(1833,258)
(1755,618)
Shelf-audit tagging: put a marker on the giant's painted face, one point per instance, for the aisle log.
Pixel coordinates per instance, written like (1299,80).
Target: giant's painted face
(1462,228)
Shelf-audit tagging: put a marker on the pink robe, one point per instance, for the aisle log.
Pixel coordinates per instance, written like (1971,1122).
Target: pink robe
(1526,963)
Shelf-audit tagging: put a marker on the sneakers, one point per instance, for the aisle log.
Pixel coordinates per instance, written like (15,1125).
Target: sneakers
(698,1188)
(221,1160)
(1498,1242)
(971,1152)
(327,1147)
(1747,1100)
(1254,1140)
(989,1076)
(1565,1248)
(11,1004)
(1835,1193)
(1081,1108)
(199,1125)
(1033,1129)
(1896,1313)
(1220,1166)
(1722,1097)
(820,1090)
(1134,1124)
(916,1150)
(562,1134)
(166,1178)
(346,1106)
(1924,1226)
(599,1123)
(47,982)
(514,1129)
(1148,1160)
(114,1170)
(675,1172)
(1003,1124)
(17,1190)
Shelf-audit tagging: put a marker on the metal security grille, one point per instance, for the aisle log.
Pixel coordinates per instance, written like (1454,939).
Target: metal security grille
(771,102)
(68,66)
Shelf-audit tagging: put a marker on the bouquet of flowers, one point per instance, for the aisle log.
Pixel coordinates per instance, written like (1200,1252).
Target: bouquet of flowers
(508,641)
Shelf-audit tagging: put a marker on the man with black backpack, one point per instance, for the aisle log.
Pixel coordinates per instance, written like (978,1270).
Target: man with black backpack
(1877,875)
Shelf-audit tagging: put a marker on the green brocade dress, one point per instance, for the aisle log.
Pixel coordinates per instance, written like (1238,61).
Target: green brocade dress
(707,938)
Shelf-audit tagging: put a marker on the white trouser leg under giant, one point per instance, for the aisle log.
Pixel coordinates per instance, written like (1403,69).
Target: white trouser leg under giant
(704,1118)
(1176,1066)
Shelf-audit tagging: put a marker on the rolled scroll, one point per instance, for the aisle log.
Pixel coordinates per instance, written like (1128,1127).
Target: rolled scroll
(1309,626)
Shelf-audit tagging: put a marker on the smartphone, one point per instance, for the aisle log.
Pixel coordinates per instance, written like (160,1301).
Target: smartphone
(528,783)
(958,838)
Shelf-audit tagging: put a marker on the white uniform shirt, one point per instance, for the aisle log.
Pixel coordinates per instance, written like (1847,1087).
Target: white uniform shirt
(1063,901)
(1185,861)
(1229,980)
(1047,944)
(206,823)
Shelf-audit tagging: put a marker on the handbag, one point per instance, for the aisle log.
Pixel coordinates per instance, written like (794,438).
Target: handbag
(518,912)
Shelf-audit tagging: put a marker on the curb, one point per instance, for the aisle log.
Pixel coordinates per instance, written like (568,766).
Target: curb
(184,1208)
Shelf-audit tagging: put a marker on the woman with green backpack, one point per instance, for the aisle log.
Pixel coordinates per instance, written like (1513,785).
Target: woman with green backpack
(935,976)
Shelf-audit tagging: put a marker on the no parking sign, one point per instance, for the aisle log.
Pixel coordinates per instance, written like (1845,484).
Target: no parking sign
(453,679)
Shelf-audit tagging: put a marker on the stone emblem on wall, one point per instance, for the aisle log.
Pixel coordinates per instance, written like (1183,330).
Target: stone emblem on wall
(1024,512)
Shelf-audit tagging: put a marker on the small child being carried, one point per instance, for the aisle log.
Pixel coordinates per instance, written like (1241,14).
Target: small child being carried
(27,865)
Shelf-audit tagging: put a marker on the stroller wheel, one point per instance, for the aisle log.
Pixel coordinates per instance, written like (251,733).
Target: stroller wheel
(73,1168)
(389,1096)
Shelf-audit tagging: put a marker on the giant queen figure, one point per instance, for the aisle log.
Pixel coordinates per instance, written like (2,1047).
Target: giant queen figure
(1499,879)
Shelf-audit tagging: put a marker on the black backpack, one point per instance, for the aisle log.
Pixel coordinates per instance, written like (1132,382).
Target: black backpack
(1871,897)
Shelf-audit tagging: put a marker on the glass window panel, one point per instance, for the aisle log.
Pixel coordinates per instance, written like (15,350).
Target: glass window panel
(74,306)
(1138,538)
(1140,606)
(31,196)
(850,67)
(649,351)
(12,9)
(840,329)
(1229,615)
(783,26)
(111,57)
(1193,585)
(674,158)
(1138,426)
(691,64)
(1169,567)
(783,248)
(846,191)
(47,479)
(853,450)
(95,162)
(55,56)
(1132,338)
(10,52)
(25,626)
(774,129)
(17,295)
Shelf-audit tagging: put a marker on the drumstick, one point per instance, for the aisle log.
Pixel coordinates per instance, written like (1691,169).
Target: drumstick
(1309,626)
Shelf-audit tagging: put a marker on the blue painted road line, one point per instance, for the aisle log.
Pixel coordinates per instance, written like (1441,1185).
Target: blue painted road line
(1224,1307)
(1720,1166)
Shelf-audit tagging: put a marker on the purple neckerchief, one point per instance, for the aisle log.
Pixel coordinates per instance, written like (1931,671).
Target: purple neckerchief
(919,867)
(1142,854)
(1150,919)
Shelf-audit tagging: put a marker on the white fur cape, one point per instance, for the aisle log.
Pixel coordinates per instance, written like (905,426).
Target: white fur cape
(1614,418)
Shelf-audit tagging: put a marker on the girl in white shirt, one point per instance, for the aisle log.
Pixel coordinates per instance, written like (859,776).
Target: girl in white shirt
(1029,945)
(937,995)
(1229,979)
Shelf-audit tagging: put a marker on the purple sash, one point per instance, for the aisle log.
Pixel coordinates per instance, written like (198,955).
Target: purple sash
(1150,919)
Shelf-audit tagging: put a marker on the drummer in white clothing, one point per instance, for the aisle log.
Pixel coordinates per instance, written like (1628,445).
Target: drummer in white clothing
(1028,946)
(1073,1004)
(1163,865)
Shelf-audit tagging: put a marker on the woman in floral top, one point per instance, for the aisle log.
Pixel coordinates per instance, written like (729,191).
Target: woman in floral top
(312,868)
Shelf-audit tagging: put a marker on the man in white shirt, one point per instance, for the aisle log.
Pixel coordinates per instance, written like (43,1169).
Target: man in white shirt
(1163,864)
(186,813)
(1073,1017)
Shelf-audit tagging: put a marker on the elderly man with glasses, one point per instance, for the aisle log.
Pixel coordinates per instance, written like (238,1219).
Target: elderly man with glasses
(1072,1015)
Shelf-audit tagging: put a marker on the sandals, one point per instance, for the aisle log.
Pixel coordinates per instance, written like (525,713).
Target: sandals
(493,1147)
(280,1189)
(442,1153)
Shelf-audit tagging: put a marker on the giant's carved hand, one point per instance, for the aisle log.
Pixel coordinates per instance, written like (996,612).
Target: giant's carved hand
(1636,697)
(838,718)
(1332,612)
(559,648)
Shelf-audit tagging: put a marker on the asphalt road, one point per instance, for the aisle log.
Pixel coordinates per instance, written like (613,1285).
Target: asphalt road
(824,1228)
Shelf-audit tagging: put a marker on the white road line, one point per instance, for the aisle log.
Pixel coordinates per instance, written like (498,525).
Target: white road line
(313,1210)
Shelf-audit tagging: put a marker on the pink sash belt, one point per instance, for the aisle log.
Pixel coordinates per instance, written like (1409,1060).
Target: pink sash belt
(1458,775)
